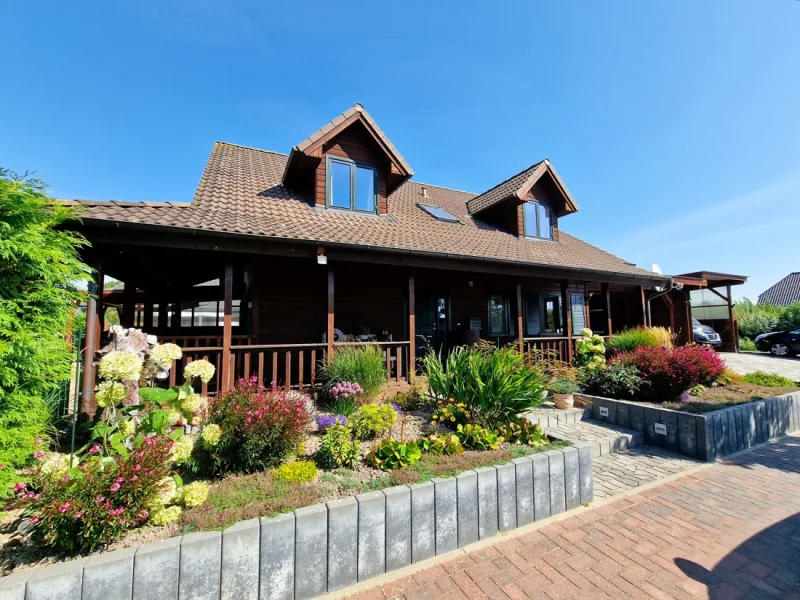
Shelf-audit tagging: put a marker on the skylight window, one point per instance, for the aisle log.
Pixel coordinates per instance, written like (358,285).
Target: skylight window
(438,212)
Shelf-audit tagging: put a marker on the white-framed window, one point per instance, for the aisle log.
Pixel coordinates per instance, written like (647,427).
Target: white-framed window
(351,185)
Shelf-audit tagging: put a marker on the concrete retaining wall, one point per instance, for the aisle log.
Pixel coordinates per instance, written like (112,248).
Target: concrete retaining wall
(709,436)
(325,547)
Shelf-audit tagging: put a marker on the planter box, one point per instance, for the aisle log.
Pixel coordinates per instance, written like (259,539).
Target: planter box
(708,436)
(326,547)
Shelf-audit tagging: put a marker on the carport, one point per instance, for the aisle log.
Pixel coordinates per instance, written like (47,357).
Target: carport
(703,295)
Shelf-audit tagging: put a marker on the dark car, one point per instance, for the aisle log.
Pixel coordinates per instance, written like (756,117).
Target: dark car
(780,343)
(703,334)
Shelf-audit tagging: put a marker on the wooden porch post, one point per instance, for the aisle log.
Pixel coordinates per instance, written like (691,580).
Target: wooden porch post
(412,331)
(227,328)
(90,343)
(732,323)
(329,334)
(520,332)
(607,296)
(687,300)
(147,316)
(644,306)
(566,312)
(128,304)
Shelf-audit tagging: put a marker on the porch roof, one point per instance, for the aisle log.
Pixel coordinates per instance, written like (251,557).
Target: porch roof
(241,192)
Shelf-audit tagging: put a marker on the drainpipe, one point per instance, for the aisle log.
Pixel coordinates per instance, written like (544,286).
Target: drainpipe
(663,292)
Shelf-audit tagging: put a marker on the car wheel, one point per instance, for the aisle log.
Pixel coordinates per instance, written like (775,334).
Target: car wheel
(779,350)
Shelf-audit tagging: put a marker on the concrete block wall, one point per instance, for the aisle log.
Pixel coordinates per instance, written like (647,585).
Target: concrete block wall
(709,436)
(325,547)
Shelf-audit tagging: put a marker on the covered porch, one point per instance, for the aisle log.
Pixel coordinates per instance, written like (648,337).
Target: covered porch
(278,316)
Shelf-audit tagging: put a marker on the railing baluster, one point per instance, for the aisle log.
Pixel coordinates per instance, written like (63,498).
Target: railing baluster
(388,364)
(247,372)
(313,366)
(300,358)
(204,387)
(172,374)
(232,381)
(260,369)
(288,382)
(399,353)
(274,367)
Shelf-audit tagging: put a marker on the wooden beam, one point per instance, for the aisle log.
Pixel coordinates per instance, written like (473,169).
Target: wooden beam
(607,296)
(87,403)
(329,334)
(128,304)
(732,323)
(412,330)
(644,306)
(688,306)
(520,331)
(227,327)
(566,319)
(727,300)
(671,306)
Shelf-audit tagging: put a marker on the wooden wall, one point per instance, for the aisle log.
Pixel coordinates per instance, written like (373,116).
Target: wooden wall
(356,144)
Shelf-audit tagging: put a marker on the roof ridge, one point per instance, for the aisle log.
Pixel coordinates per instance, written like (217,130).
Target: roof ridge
(507,179)
(441,187)
(251,148)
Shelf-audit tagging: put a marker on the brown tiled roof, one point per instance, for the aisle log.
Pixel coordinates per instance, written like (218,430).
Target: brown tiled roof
(518,186)
(786,291)
(241,192)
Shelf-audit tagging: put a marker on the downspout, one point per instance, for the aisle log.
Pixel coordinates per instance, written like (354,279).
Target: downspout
(669,288)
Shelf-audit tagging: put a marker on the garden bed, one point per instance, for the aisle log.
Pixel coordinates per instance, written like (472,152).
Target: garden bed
(717,398)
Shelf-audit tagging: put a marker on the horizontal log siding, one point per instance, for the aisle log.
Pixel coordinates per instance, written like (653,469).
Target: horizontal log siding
(356,146)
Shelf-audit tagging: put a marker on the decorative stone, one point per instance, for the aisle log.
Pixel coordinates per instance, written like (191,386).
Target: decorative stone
(558,500)
(507,496)
(572,477)
(371,535)
(523,468)
(311,551)
(277,558)
(446,503)
(61,581)
(156,568)
(541,486)
(488,522)
(342,543)
(109,575)
(398,527)
(467,487)
(423,525)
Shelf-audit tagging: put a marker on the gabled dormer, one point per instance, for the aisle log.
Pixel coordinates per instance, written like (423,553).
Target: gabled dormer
(528,204)
(348,164)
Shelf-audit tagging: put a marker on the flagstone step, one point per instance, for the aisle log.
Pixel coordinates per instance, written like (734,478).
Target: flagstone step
(605,438)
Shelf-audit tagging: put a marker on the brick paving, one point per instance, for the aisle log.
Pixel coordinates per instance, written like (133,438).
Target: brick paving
(617,473)
(594,431)
(725,532)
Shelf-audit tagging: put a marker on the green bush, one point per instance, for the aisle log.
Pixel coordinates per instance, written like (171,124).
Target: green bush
(524,433)
(300,471)
(362,365)
(441,444)
(390,454)
(494,384)
(747,345)
(373,420)
(767,379)
(338,448)
(630,339)
(559,385)
(344,406)
(39,276)
(616,380)
(475,437)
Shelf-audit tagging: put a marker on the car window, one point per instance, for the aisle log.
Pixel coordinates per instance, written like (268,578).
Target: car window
(795,332)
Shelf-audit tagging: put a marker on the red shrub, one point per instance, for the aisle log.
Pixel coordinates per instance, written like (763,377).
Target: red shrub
(668,372)
(259,427)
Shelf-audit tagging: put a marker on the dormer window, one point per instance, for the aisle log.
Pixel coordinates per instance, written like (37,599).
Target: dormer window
(538,220)
(351,185)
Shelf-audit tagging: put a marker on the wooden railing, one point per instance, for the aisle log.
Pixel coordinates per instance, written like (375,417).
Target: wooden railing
(288,365)
(555,348)
(202,341)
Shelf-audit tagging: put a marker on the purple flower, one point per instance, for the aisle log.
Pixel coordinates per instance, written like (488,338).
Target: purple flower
(396,408)
(345,389)
(328,421)
(685,397)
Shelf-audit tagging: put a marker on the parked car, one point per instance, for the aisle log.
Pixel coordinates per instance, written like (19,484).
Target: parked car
(780,343)
(703,334)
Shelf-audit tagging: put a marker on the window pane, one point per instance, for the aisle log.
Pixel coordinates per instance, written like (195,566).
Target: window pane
(340,184)
(235,313)
(530,218)
(552,312)
(205,314)
(365,189)
(155,315)
(545,230)
(497,315)
(186,315)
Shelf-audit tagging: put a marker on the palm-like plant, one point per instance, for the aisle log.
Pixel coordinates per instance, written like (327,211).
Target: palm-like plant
(496,384)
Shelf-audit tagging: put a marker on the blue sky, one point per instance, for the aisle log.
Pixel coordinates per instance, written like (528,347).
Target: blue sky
(676,125)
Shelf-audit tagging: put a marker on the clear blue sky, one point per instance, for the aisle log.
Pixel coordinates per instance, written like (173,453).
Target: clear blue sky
(675,124)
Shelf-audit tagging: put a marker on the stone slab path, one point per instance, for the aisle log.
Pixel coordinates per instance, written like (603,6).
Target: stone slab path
(607,438)
(747,362)
(725,531)
(622,471)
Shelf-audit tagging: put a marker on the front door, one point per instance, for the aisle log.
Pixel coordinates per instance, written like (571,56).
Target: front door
(431,321)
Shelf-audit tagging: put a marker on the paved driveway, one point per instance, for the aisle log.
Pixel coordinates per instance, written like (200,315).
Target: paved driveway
(747,362)
(724,532)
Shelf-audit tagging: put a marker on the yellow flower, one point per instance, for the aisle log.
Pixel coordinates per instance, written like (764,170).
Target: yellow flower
(165,516)
(194,494)
(452,418)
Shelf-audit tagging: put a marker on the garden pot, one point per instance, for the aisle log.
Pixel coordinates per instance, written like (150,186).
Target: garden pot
(563,401)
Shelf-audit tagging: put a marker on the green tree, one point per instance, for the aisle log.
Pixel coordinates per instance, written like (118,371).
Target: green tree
(40,277)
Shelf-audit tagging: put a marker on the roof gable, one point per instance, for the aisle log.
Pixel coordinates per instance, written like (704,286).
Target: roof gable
(311,148)
(518,186)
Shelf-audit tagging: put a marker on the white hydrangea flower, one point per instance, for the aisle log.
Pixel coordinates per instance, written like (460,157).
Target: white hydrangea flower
(173,417)
(194,494)
(110,393)
(127,427)
(182,449)
(211,435)
(57,464)
(165,516)
(199,368)
(121,364)
(163,354)
(193,403)
(167,490)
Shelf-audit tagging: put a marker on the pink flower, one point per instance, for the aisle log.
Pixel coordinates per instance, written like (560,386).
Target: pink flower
(65,478)
(99,499)
(79,514)
(38,454)
(33,520)
(145,514)
(2,466)
(114,487)
(37,442)
(119,479)
(94,449)
(116,512)
(27,495)
(64,507)
(18,487)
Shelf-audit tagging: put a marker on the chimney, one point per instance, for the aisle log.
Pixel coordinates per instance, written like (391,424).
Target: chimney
(424,192)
